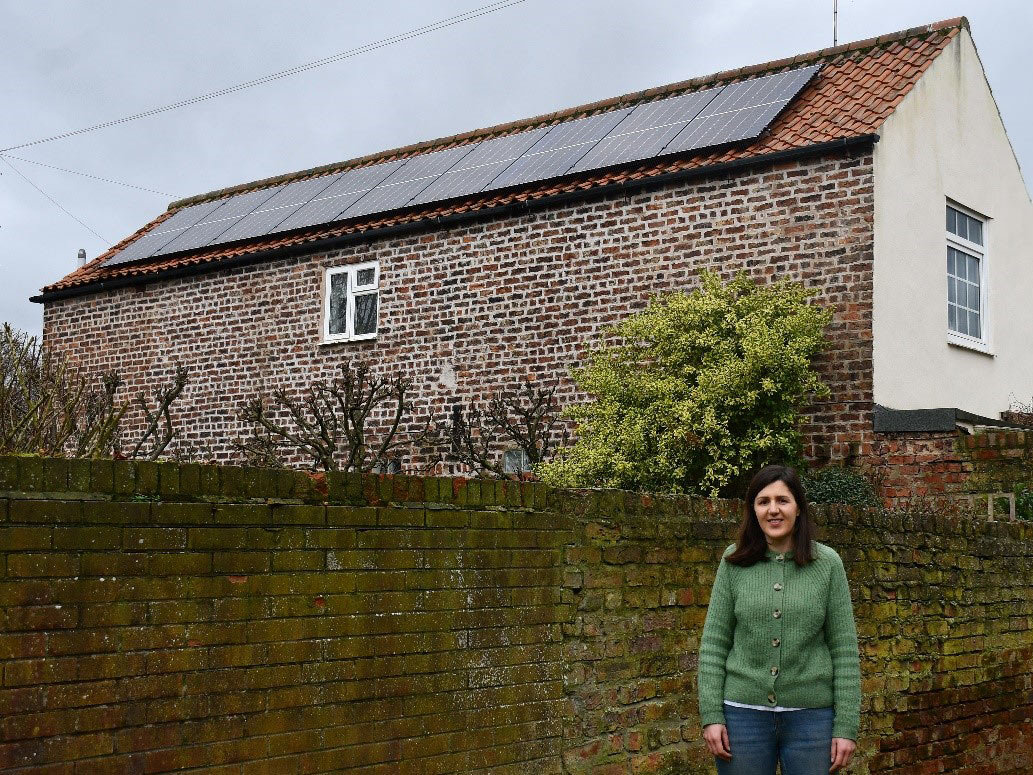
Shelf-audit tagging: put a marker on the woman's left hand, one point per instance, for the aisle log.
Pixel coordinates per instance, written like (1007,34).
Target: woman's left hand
(842,752)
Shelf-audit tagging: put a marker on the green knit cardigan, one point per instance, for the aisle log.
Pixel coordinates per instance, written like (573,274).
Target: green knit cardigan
(780,634)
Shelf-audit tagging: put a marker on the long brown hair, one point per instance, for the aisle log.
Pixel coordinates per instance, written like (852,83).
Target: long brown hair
(751,544)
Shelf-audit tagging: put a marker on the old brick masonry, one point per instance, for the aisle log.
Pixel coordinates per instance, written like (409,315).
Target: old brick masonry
(471,308)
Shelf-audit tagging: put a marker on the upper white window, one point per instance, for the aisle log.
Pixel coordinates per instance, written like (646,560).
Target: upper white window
(351,302)
(967,322)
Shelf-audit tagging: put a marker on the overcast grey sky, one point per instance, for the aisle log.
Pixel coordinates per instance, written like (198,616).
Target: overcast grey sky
(68,65)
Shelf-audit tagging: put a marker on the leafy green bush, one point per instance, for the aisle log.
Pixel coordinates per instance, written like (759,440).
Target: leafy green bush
(840,485)
(1024,502)
(700,389)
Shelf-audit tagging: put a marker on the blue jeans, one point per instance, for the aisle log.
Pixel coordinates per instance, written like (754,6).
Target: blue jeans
(800,739)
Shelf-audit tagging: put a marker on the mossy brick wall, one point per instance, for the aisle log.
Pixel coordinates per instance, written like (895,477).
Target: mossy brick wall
(944,609)
(165,618)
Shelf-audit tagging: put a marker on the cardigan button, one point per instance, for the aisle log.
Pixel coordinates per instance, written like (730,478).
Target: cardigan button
(774,671)
(778,586)
(771,698)
(777,614)
(780,557)
(776,642)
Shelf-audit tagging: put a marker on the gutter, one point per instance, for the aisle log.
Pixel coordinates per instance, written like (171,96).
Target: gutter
(627,188)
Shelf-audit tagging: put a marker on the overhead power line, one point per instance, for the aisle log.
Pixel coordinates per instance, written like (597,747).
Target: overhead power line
(53,201)
(383,43)
(88,175)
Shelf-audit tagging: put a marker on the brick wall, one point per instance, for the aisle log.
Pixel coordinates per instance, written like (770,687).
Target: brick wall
(472,308)
(944,608)
(187,619)
(218,621)
(951,468)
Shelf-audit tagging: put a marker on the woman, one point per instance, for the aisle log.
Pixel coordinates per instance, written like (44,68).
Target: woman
(779,674)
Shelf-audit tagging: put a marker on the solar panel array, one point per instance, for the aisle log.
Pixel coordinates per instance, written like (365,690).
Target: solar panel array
(688,122)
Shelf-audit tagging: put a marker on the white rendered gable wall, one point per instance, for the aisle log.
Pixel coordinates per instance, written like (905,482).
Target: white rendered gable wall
(946,141)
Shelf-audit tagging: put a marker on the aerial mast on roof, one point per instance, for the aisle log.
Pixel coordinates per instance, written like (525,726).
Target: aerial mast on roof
(835,22)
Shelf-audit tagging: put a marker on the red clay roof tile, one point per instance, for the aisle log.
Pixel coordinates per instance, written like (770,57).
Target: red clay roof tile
(858,87)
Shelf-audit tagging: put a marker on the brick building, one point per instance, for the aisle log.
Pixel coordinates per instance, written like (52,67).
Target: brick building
(845,189)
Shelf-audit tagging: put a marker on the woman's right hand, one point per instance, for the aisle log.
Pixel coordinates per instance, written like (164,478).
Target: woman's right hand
(716,736)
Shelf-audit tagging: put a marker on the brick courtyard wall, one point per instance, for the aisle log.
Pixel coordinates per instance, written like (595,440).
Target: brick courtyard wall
(474,307)
(952,469)
(224,621)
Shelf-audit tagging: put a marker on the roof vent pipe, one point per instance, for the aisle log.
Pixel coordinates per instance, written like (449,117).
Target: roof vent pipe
(82,257)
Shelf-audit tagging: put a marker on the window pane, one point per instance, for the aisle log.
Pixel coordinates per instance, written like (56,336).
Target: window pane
(962,322)
(952,317)
(338,303)
(951,255)
(364,277)
(515,461)
(975,231)
(973,324)
(973,271)
(366,314)
(952,220)
(952,293)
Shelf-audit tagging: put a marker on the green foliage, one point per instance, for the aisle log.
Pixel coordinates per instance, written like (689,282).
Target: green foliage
(700,389)
(840,485)
(1024,502)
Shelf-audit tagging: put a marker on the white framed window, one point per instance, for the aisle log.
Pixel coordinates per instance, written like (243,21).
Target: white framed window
(967,313)
(351,302)
(515,461)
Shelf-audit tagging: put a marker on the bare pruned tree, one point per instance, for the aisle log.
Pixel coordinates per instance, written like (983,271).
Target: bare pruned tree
(355,422)
(159,431)
(525,418)
(48,407)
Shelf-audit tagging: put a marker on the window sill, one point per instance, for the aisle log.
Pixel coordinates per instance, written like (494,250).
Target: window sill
(969,344)
(344,340)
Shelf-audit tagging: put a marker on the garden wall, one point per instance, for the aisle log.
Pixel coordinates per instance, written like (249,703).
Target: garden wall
(946,468)
(168,618)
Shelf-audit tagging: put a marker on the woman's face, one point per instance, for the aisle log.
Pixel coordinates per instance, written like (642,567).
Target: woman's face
(776,512)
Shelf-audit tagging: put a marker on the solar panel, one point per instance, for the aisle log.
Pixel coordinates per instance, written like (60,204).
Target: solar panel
(559,150)
(719,129)
(284,203)
(346,189)
(300,191)
(779,87)
(164,233)
(256,224)
(684,123)
(188,216)
(144,247)
(501,148)
(479,167)
(406,182)
(645,132)
(218,221)
(742,111)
